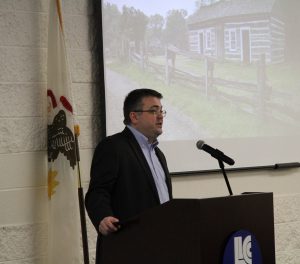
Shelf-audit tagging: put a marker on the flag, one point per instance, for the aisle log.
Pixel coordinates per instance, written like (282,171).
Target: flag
(63,218)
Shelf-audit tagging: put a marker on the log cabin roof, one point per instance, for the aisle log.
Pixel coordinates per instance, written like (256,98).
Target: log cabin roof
(231,8)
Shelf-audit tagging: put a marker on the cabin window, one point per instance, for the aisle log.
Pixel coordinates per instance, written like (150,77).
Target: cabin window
(232,39)
(208,40)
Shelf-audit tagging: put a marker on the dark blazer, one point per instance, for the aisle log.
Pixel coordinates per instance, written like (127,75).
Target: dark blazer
(121,183)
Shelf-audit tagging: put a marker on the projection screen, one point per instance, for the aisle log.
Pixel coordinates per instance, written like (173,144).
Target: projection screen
(229,72)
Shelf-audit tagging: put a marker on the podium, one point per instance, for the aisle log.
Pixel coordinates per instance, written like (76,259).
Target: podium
(192,231)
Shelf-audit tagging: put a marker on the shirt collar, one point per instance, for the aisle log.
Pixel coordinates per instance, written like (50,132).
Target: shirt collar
(141,138)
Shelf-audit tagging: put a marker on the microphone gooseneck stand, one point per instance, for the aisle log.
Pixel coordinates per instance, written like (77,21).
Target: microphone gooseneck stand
(221,164)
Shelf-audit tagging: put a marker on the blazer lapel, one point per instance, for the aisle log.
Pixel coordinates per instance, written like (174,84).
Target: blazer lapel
(163,163)
(142,160)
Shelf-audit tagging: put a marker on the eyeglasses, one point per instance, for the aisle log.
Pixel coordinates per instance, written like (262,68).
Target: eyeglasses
(153,112)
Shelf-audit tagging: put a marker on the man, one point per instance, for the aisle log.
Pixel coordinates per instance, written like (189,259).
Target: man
(129,173)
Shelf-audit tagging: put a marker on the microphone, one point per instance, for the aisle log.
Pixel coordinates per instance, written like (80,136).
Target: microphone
(219,155)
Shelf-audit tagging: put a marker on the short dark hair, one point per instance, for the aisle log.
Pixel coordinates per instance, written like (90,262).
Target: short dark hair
(133,101)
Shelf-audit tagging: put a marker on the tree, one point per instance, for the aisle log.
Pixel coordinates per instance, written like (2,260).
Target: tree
(133,26)
(176,32)
(111,25)
(154,33)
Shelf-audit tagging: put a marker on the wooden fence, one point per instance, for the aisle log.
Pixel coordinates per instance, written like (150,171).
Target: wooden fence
(259,93)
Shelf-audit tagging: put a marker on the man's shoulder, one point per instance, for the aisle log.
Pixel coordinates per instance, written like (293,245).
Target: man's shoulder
(118,138)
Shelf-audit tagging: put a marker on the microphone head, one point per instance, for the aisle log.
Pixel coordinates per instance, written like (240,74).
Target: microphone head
(200,144)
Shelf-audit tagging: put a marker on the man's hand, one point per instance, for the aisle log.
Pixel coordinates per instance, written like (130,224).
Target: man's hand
(108,225)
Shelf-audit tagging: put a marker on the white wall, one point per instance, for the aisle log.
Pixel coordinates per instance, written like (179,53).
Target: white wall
(23,202)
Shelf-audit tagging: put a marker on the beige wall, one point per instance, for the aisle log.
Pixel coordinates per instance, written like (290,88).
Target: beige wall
(23,203)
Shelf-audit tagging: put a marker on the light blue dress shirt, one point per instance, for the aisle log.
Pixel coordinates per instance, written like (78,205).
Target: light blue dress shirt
(154,164)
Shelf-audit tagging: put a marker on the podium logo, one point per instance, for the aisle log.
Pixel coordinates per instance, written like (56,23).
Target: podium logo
(242,248)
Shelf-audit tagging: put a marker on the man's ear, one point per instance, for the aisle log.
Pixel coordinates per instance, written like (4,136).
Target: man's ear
(133,117)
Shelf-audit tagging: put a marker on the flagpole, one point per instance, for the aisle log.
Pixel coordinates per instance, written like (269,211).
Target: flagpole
(85,246)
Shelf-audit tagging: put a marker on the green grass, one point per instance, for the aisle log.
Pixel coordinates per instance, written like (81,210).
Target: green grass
(220,118)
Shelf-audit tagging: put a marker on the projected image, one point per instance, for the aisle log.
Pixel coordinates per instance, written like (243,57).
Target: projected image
(226,68)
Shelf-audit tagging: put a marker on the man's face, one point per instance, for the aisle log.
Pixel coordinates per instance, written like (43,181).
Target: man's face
(148,123)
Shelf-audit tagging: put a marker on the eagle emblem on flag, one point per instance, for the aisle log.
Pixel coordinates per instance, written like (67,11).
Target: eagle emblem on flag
(61,139)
